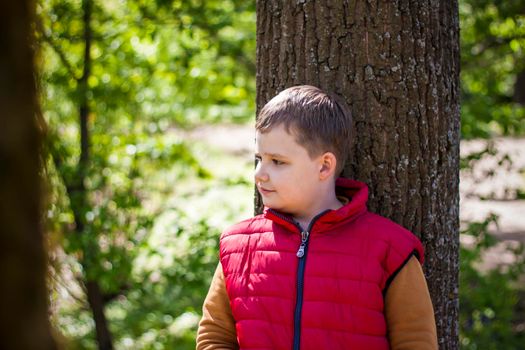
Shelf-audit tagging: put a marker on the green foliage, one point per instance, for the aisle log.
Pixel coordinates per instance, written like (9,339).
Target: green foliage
(489,314)
(167,62)
(172,264)
(172,274)
(492,55)
(132,225)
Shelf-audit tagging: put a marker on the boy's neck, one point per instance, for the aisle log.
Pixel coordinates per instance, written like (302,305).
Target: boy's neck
(328,202)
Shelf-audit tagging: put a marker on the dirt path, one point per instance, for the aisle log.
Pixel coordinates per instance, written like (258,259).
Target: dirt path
(493,184)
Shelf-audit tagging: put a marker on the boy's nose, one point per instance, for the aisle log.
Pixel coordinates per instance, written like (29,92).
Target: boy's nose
(260,174)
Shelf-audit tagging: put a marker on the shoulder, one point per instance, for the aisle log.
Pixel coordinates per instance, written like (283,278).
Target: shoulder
(387,229)
(239,238)
(252,225)
(400,240)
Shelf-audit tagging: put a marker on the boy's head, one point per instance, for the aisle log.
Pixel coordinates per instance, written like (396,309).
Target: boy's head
(302,140)
(319,121)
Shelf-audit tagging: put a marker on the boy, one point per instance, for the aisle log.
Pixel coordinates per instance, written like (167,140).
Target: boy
(316,270)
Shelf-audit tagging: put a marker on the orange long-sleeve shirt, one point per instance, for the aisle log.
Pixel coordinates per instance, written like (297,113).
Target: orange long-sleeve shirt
(408,311)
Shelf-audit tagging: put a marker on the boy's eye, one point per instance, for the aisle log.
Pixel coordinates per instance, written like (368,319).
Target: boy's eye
(258,159)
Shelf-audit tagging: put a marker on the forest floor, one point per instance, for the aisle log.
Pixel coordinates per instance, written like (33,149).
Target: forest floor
(495,183)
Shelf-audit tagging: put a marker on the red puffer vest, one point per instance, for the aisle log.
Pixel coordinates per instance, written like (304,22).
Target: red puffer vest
(320,289)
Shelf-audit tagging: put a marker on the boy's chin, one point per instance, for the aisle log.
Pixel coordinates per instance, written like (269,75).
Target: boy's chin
(270,205)
(275,207)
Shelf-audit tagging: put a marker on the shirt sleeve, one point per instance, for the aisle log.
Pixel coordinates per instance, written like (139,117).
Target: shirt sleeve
(217,326)
(409,312)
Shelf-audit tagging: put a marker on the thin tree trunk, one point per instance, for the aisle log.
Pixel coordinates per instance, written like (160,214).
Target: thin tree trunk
(519,88)
(96,302)
(397,65)
(78,193)
(24,322)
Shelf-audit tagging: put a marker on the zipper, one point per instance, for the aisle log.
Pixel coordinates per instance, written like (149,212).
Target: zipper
(304,239)
(301,255)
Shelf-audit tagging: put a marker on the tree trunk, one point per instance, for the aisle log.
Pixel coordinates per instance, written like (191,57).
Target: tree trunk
(24,320)
(96,302)
(519,88)
(397,65)
(78,193)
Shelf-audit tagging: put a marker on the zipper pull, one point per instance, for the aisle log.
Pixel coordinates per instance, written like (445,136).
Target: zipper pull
(304,238)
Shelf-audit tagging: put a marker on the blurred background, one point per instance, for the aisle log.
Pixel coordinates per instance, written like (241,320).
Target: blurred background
(160,161)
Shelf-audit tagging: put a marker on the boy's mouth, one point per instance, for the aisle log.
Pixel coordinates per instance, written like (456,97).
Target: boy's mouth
(265,191)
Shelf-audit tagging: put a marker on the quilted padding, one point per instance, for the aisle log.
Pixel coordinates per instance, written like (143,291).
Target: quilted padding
(351,257)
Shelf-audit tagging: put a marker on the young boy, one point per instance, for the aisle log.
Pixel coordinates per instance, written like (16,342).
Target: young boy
(316,270)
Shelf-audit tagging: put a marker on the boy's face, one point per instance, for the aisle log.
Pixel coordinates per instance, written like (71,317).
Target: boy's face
(286,177)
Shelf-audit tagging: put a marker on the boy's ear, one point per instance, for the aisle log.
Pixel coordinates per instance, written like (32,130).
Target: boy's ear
(328,164)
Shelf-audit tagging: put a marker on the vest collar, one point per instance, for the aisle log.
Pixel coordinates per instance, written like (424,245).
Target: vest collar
(355,191)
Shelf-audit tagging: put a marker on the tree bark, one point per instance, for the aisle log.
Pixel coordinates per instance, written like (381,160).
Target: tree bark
(397,65)
(24,322)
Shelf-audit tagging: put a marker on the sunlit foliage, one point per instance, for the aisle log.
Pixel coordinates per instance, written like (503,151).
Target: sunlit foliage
(492,59)
(157,69)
